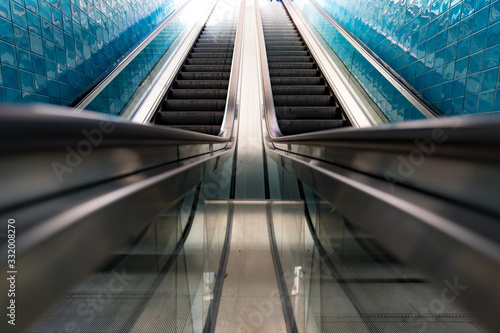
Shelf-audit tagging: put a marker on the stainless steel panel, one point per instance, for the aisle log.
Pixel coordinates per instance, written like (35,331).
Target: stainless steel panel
(51,248)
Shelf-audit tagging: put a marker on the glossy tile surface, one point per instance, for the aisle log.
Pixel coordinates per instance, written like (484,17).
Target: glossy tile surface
(421,39)
(71,42)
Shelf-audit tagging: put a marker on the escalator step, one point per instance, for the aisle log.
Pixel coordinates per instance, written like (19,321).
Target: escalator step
(290,127)
(221,28)
(189,118)
(216,34)
(197,93)
(300,90)
(292,65)
(217,62)
(279,29)
(308,112)
(286,48)
(287,43)
(227,55)
(287,54)
(290,34)
(214,45)
(211,50)
(303,100)
(294,72)
(290,59)
(206,68)
(213,130)
(200,84)
(194,105)
(203,76)
(306,81)
(208,40)
(282,39)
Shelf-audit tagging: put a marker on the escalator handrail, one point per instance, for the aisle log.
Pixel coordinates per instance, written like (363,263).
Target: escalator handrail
(40,126)
(90,93)
(267,92)
(407,90)
(74,150)
(61,239)
(232,92)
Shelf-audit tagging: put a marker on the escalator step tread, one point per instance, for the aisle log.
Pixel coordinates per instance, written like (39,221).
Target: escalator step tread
(285,59)
(294,72)
(194,105)
(203,76)
(282,39)
(285,43)
(206,68)
(297,80)
(287,53)
(292,65)
(190,118)
(211,50)
(303,100)
(217,62)
(300,90)
(197,94)
(211,55)
(307,112)
(289,127)
(208,129)
(201,84)
(214,45)
(285,48)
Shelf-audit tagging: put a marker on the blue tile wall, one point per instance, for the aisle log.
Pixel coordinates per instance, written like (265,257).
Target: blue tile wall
(394,106)
(117,94)
(51,50)
(449,50)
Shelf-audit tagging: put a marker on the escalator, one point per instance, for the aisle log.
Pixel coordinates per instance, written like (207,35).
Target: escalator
(387,242)
(197,98)
(129,195)
(194,224)
(303,101)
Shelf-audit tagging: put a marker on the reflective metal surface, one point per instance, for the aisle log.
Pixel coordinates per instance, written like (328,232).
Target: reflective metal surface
(46,151)
(353,284)
(161,281)
(443,239)
(52,244)
(153,284)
